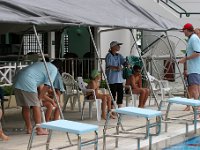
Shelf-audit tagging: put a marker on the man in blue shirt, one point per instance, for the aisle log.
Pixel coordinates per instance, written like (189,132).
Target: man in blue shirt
(114,62)
(26,82)
(192,62)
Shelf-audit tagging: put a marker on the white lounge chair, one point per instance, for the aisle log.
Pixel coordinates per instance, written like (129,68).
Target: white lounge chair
(71,91)
(82,86)
(159,87)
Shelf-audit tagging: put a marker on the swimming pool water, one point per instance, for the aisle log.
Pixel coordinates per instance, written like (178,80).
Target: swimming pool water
(190,144)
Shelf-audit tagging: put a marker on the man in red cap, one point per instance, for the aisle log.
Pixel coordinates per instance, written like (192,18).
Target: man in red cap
(191,62)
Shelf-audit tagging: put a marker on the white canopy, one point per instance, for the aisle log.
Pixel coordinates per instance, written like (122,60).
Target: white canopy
(20,15)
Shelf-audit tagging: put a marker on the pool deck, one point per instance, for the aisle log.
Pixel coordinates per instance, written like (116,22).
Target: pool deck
(14,127)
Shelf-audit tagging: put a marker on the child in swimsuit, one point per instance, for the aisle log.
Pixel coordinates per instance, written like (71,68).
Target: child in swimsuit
(106,99)
(135,81)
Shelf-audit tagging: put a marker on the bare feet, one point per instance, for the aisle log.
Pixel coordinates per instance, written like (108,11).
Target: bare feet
(3,136)
(42,131)
(104,117)
(29,131)
(187,108)
(140,106)
(112,116)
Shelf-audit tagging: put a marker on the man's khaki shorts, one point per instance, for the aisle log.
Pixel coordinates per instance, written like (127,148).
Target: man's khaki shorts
(24,98)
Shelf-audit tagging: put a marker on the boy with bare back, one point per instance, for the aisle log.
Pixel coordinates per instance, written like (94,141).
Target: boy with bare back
(135,81)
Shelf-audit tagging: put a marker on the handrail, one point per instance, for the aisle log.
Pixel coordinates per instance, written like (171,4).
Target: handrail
(177,6)
(74,66)
(181,8)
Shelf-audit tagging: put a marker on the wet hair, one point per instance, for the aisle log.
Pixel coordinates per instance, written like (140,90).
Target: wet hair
(94,74)
(58,63)
(135,68)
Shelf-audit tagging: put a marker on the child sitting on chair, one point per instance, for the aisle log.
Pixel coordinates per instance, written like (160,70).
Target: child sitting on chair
(135,81)
(48,99)
(2,135)
(106,99)
(50,104)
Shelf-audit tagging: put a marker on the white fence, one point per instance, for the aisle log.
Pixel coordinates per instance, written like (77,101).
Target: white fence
(8,70)
(75,67)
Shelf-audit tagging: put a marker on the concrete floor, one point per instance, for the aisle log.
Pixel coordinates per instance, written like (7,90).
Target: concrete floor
(14,127)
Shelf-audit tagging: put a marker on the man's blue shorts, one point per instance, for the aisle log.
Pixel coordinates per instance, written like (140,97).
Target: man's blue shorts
(193,79)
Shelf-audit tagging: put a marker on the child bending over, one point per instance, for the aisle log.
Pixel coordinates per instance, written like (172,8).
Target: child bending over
(48,99)
(50,104)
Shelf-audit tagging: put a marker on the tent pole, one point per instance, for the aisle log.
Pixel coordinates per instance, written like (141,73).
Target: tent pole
(61,48)
(54,92)
(145,69)
(100,63)
(19,54)
(172,52)
(45,64)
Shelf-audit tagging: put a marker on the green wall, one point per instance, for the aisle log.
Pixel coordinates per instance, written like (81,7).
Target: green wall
(79,40)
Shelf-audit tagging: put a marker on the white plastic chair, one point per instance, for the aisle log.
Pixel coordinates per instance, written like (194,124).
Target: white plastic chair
(82,86)
(159,86)
(130,96)
(71,91)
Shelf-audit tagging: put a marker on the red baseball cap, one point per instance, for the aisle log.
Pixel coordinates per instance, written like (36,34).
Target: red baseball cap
(188,26)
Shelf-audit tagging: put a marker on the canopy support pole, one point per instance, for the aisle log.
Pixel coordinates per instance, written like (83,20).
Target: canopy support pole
(45,64)
(100,64)
(145,69)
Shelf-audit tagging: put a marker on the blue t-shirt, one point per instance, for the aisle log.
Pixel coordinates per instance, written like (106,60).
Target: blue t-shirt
(114,76)
(58,83)
(29,78)
(193,65)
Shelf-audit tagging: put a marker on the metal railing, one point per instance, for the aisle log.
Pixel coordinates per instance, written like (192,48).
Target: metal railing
(74,66)
(177,8)
(8,71)
(79,67)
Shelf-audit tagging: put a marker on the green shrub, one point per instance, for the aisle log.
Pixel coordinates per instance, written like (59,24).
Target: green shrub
(86,80)
(103,84)
(7,90)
